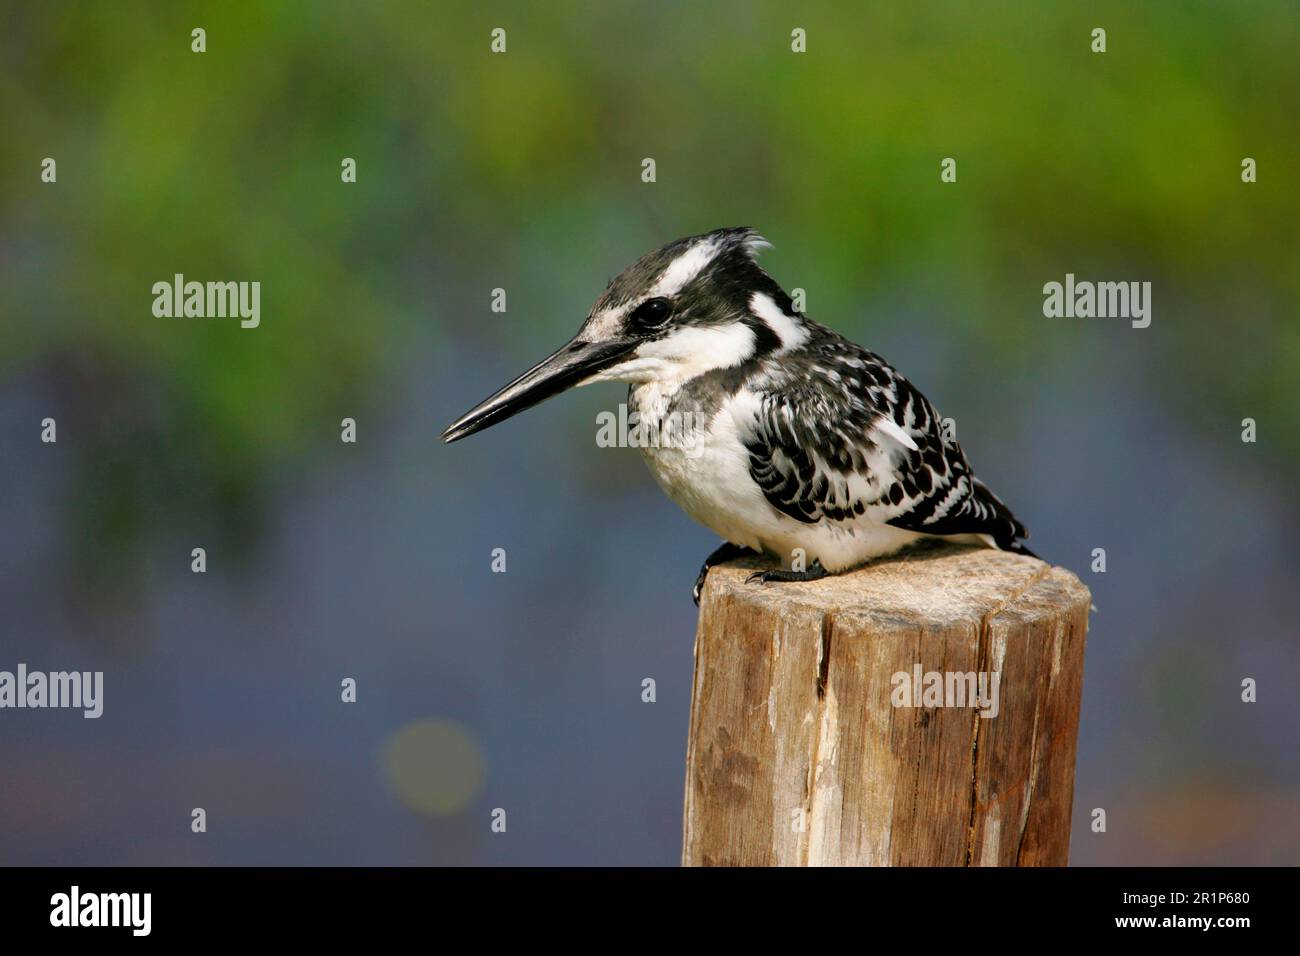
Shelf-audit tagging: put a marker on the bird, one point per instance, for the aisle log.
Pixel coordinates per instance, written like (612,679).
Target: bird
(781,436)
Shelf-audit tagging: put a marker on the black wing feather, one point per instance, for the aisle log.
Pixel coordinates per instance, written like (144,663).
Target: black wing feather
(815,430)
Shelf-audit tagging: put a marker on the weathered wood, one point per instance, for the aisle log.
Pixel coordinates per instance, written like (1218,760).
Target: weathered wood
(798,755)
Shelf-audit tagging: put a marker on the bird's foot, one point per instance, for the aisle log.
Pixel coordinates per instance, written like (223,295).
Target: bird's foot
(726,552)
(815,572)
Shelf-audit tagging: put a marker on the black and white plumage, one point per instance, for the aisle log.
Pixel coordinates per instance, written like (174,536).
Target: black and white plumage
(828,413)
(779,434)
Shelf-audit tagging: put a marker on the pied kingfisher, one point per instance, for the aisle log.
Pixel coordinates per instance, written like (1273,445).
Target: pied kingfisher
(796,443)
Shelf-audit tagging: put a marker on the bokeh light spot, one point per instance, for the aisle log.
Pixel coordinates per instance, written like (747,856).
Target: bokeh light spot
(433,766)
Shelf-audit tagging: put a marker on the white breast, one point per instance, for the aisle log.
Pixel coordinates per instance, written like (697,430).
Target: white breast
(706,472)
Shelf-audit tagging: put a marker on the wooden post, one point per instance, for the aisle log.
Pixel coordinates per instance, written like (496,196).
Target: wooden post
(803,750)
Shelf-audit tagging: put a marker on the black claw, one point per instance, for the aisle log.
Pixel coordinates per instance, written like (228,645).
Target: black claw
(815,572)
(726,552)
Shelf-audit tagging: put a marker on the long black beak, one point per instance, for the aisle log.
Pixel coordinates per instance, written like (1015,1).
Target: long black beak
(569,366)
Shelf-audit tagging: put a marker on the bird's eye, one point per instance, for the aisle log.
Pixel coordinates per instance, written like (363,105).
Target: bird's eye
(650,314)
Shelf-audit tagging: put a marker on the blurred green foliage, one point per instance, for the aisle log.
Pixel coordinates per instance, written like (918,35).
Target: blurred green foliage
(522,170)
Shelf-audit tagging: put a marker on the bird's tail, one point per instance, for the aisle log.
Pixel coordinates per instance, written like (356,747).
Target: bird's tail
(1005,529)
(1017,548)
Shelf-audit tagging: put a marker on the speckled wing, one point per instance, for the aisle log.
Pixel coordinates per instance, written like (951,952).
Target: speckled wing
(837,434)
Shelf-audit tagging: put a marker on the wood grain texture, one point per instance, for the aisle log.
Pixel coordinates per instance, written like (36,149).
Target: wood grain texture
(798,756)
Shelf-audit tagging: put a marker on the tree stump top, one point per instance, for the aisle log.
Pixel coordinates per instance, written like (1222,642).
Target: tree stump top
(936,584)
